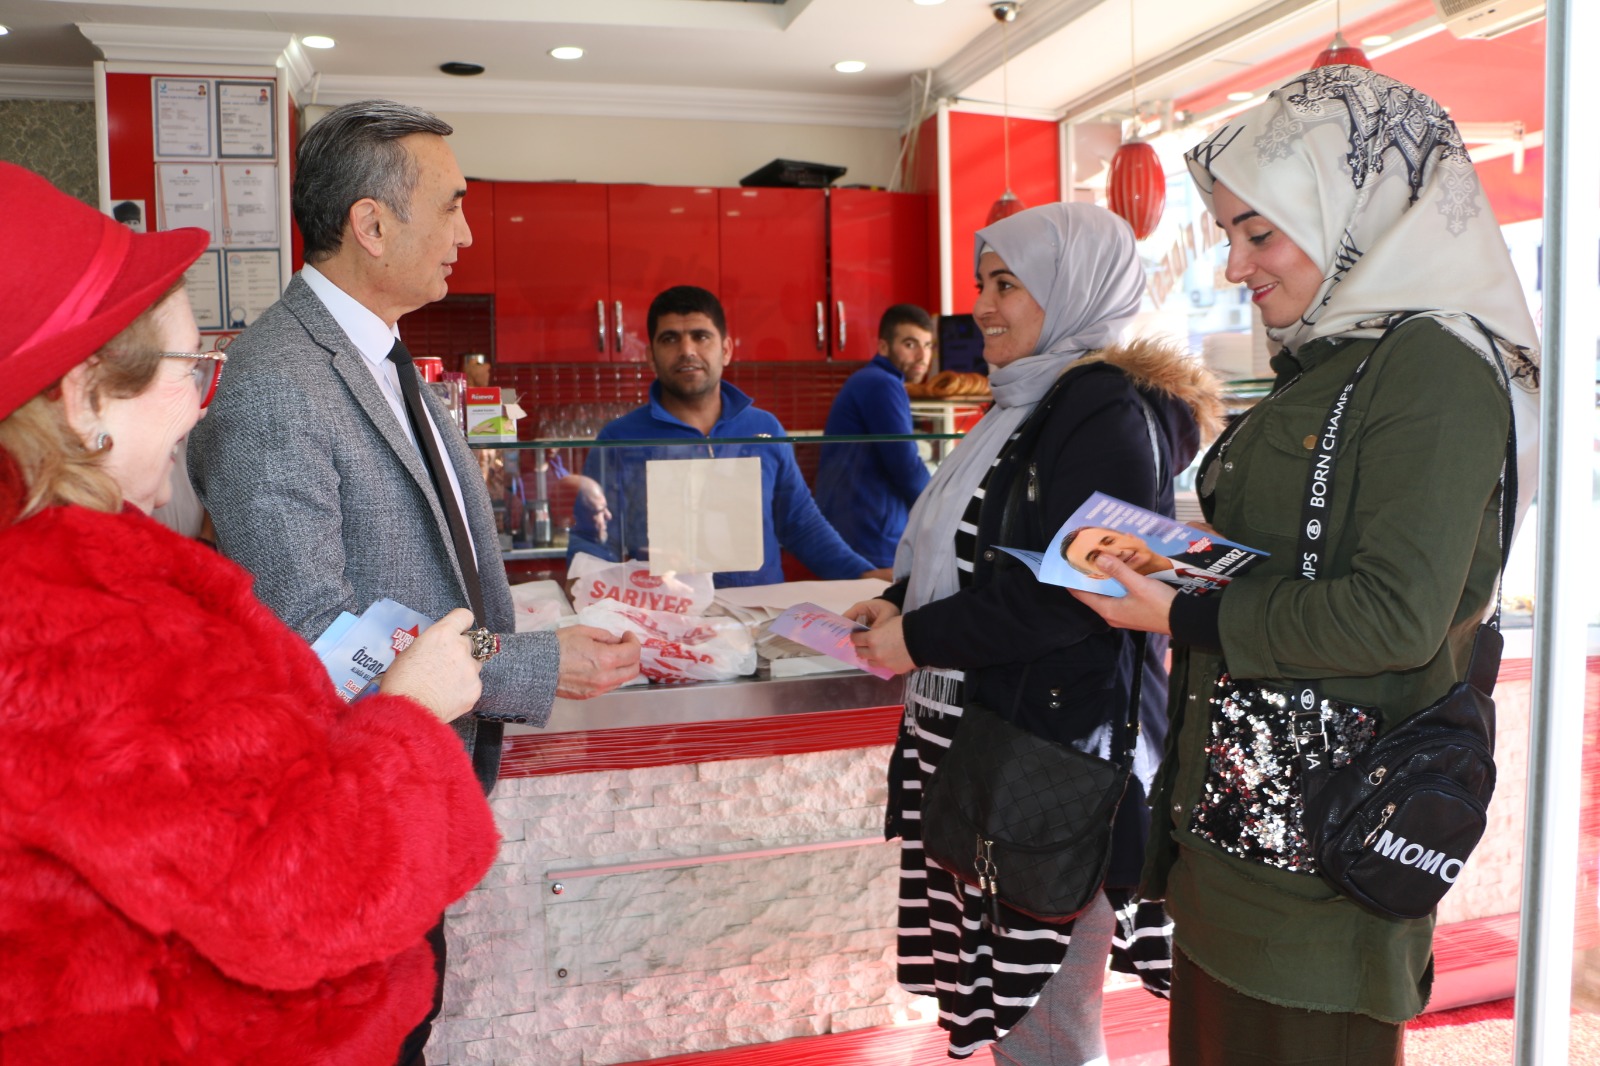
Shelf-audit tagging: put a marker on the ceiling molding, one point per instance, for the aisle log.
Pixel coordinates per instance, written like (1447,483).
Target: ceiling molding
(1036,22)
(46,83)
(1114,93)
(506,97)
(297,68)
(181,44)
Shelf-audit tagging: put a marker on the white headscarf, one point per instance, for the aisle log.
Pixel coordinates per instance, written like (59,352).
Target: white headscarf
(1370,179)
(1078,261)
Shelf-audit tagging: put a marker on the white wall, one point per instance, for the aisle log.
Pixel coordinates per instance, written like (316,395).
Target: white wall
(657,151)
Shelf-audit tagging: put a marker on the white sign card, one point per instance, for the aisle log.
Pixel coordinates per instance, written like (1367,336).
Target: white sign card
(245,126)
(182,110)
(188,197)
(250,203)
(203,281)
(253,285)
(704,515)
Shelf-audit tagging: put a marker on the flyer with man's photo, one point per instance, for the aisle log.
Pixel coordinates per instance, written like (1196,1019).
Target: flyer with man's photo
(1195,561)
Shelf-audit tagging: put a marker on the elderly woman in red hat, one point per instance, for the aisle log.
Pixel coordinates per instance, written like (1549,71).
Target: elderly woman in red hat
(206,856)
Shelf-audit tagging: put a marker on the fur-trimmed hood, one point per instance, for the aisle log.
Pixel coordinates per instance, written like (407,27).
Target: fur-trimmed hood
(1167,368)
(1184,394)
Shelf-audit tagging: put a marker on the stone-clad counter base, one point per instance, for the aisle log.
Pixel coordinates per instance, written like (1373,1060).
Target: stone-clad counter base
(749,950)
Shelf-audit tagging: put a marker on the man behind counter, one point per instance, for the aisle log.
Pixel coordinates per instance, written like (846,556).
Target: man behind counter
(866,490)
(689,347)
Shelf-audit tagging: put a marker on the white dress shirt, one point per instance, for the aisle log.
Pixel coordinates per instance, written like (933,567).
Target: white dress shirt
(374,338)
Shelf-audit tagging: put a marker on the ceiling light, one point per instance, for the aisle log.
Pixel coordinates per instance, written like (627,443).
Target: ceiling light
(567,51)
(849,66)
(4,30)
(316,40)
(1241,96)
(1377,40)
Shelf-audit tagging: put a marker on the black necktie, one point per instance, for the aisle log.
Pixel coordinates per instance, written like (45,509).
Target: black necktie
(439,472)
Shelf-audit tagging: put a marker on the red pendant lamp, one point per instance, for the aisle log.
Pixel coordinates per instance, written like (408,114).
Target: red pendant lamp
(1342,51)
(1137,187)
(1339,50)
(1005,12)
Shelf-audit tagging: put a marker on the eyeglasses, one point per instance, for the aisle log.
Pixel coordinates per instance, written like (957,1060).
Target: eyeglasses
(207,372)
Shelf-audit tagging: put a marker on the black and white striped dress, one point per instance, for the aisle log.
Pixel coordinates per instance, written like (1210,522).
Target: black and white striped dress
(985,980)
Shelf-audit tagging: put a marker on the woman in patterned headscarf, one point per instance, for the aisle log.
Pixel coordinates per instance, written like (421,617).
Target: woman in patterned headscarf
(1356,221)
(1076,411)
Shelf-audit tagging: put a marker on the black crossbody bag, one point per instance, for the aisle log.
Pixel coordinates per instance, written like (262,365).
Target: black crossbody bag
(1026,820)
(1389,822)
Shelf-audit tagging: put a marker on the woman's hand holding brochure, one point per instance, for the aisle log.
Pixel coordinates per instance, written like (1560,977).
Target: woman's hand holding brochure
(1146,606)
(438,669)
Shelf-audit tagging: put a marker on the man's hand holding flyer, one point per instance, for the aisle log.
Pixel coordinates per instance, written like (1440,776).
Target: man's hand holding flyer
(1194,561)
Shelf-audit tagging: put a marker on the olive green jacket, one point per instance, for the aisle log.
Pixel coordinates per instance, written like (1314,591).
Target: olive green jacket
(1412,559)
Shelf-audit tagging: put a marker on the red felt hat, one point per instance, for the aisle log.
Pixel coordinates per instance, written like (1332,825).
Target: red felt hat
(70,280)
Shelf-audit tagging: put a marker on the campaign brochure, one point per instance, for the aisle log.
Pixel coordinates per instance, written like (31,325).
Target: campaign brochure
(823,631)
(356,650)
(1195,561)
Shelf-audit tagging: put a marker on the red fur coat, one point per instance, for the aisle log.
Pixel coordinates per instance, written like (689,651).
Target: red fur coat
(206,857)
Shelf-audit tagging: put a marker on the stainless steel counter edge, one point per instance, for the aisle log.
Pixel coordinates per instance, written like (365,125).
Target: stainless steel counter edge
(717,701)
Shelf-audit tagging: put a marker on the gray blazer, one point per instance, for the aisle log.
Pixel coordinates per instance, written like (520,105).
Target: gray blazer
(315,487)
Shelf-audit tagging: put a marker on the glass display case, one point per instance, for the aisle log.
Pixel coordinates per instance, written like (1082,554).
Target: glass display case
(716,499)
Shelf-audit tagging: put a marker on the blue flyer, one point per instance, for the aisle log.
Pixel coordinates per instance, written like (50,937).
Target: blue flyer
(1195,561)
(357,650)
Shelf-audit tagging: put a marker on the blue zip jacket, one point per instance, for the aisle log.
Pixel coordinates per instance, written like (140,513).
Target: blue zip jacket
(866,490)
(791,517)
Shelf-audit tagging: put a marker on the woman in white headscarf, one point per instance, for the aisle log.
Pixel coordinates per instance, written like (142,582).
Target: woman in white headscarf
(1357,223)
(1056,287)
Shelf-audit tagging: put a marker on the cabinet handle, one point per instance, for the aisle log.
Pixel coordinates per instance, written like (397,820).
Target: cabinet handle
(822,327)
(600,338)
(841,328)
(618,323)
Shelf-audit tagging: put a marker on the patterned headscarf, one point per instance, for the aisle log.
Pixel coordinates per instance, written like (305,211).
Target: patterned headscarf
(1370,179)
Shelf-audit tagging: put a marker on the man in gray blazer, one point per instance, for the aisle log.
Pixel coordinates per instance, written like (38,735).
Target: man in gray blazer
(316,472)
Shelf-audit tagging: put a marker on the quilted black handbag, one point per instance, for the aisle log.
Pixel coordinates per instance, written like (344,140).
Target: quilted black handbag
(1025,820)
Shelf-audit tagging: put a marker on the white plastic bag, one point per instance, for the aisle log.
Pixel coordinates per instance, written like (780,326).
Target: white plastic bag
(633,585)
(678,647)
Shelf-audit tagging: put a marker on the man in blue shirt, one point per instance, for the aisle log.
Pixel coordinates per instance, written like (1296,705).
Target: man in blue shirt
(866,490)
(689,347)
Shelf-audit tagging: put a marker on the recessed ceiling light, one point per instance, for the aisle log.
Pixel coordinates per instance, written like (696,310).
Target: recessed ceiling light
(567,51)
(1241,96)
(4,30)
(1377,40)
(316,40)
(461,70)
(849,66)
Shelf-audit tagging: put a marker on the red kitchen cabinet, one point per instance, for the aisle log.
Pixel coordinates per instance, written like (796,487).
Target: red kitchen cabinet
(775,272)
(474,268)
(577,265)
(660,236)
(551,260)
(878,257)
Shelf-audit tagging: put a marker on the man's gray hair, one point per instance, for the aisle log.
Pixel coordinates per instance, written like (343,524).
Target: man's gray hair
(351,154)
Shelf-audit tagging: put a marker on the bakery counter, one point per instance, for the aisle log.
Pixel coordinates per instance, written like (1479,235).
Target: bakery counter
(646,706)
(640,726)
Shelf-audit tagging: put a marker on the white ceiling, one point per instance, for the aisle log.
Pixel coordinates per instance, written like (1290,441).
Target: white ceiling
(1064,53)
